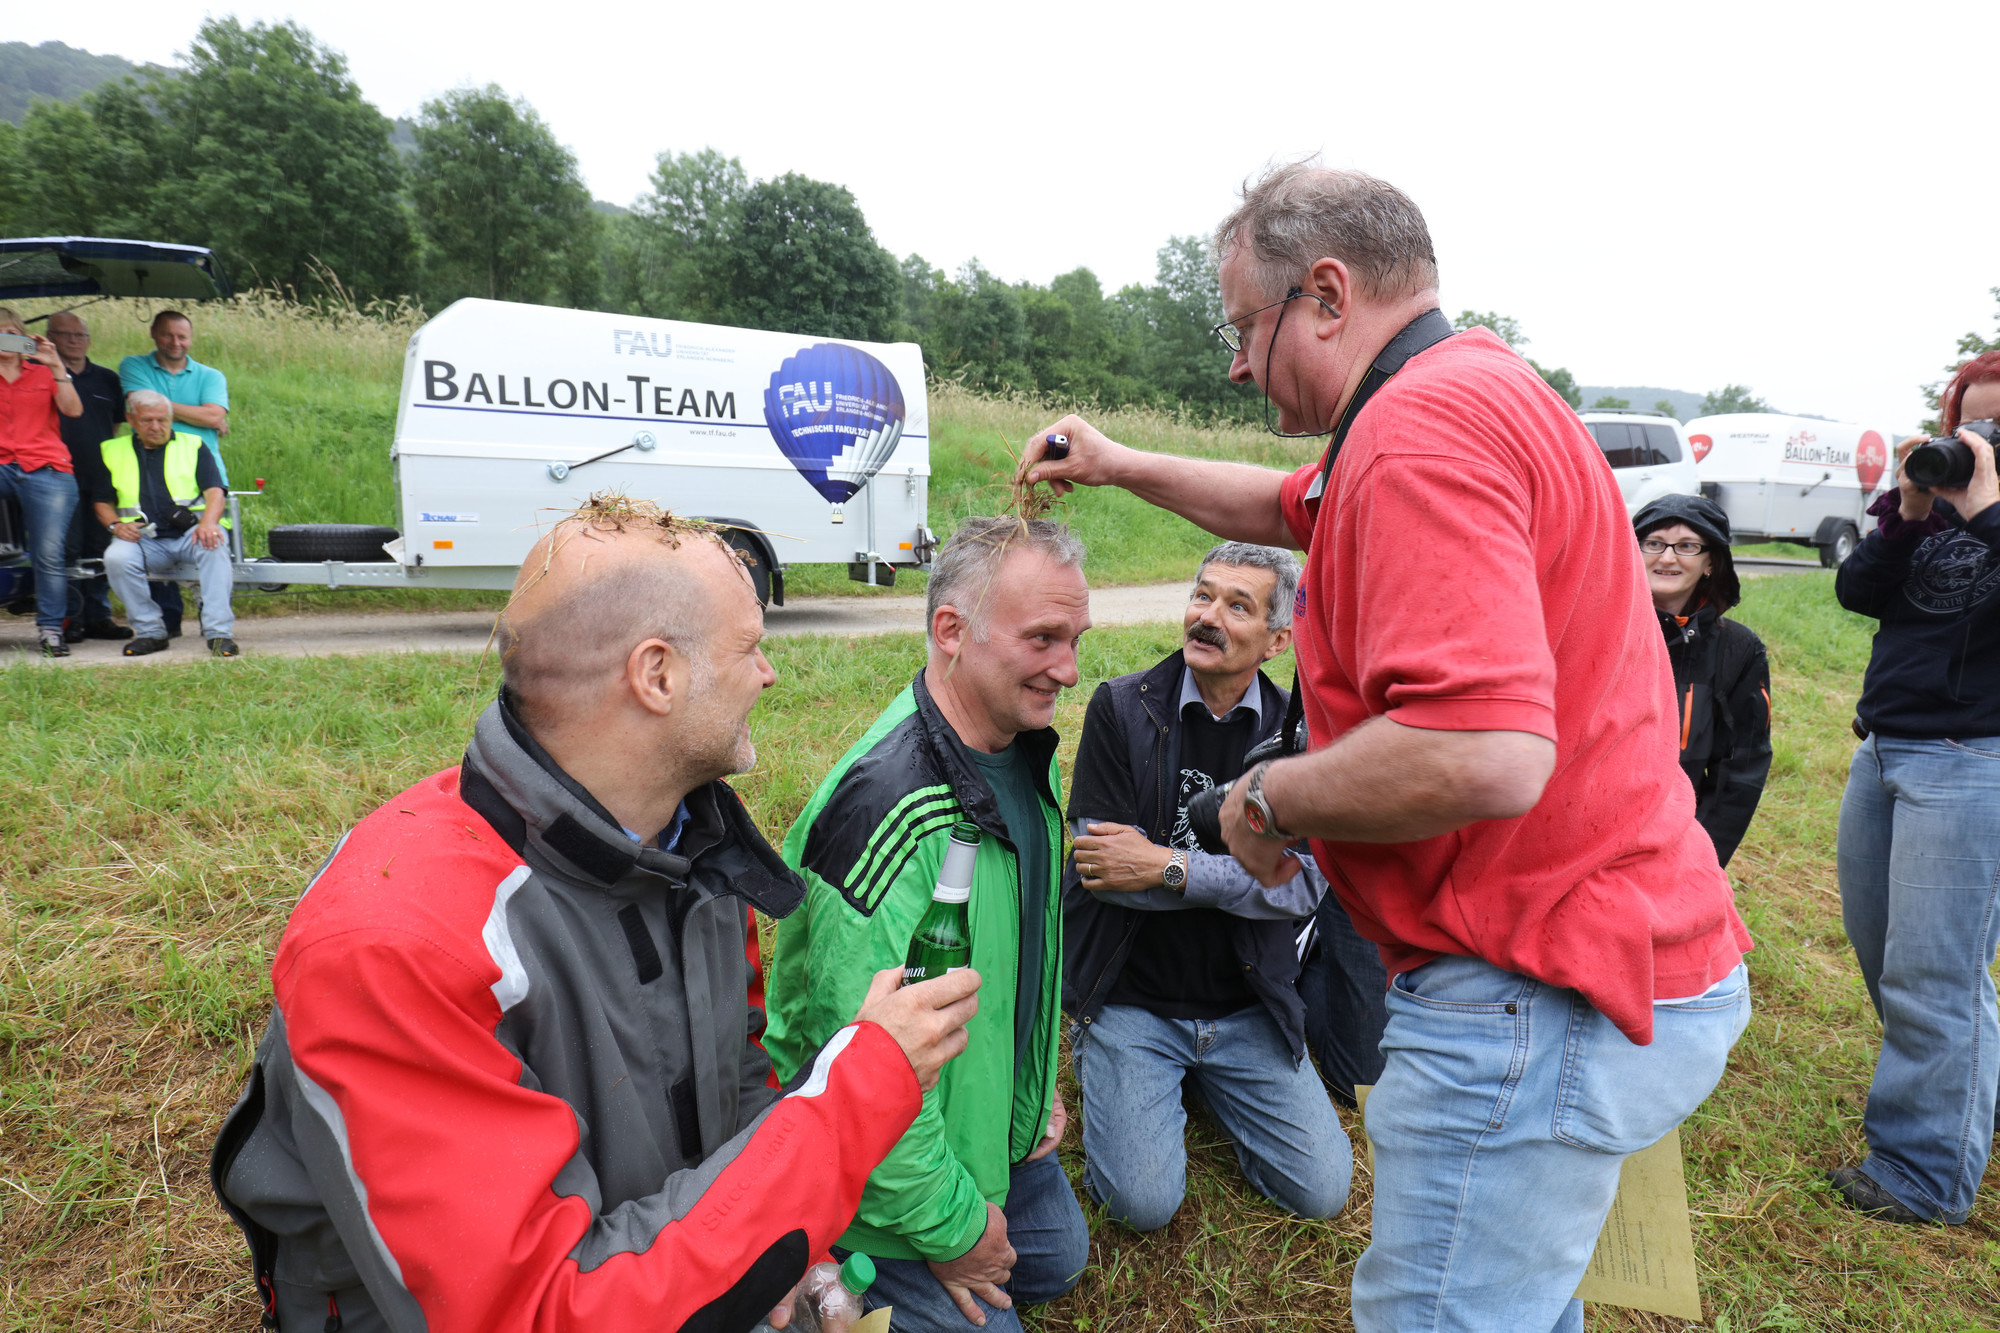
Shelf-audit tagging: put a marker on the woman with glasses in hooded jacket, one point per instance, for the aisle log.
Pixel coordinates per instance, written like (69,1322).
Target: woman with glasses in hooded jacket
(1722,681)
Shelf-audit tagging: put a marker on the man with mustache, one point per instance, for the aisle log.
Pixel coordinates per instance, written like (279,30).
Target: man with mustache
(1180,965)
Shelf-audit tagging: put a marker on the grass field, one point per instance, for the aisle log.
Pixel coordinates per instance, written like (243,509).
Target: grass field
(313,410)
(154,849)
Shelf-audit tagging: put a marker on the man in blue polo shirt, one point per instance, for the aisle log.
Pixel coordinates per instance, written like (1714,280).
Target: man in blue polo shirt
(200,398)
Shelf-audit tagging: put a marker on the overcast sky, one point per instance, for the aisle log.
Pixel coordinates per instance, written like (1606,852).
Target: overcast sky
(1679,195)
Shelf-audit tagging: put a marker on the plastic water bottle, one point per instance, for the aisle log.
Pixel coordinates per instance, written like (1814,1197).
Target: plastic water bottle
(943,942)
(832,1293)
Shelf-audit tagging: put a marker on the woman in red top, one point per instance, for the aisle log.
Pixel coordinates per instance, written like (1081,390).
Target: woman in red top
(35,469)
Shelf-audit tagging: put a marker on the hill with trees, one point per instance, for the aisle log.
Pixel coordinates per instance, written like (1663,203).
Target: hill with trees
(53,70)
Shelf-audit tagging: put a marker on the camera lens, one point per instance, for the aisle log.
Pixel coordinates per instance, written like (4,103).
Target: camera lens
(1942,462)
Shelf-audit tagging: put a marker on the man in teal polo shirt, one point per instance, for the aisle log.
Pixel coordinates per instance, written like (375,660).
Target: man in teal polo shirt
(200,398)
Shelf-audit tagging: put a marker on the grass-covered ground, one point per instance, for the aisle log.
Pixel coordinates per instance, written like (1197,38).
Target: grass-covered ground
(153,849)
(313,411)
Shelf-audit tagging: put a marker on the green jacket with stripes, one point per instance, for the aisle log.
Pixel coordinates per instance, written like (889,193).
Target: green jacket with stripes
(869,845)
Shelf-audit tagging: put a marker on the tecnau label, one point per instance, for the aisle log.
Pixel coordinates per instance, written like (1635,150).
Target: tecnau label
(426,516)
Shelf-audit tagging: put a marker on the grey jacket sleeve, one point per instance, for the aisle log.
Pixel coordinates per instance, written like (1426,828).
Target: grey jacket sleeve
(1221,882)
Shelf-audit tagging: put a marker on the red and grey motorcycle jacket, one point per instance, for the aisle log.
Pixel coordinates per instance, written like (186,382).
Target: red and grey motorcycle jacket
(512,1078)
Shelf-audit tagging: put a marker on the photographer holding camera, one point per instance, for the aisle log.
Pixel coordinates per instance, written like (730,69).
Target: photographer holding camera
(35,394)
(1492,788)
(1919,843)
(153,478)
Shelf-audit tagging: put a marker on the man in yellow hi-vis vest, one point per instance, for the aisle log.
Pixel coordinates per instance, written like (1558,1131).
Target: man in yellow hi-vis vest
(164,506)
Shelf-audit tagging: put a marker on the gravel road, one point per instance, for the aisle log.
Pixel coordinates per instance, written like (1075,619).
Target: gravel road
(319,634)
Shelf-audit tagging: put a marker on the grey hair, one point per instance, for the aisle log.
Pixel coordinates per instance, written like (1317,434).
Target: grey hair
(147,398)
(963,572)
(1301,213)
(1284,567)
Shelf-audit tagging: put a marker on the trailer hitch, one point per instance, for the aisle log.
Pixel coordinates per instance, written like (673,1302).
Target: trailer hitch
(643,441)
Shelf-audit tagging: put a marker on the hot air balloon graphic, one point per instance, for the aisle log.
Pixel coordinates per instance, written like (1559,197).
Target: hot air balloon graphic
(836,413)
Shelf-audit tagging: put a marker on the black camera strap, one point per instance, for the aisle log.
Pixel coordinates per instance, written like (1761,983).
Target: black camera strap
(1425,331)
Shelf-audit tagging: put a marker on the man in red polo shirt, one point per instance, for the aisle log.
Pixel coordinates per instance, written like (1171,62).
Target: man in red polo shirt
(1493,789)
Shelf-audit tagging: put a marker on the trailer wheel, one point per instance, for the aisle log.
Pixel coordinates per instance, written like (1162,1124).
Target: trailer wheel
(1835,552)
(356,542)
(755,557)
(269,587)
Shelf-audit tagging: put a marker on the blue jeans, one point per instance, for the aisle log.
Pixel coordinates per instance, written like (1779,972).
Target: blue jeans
(1505,1111)
(1052,1241)
(1131,1063)
(1920,897)
(129,564)
(47,498)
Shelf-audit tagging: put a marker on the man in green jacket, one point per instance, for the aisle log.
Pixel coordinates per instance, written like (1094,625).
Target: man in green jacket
(971,1214)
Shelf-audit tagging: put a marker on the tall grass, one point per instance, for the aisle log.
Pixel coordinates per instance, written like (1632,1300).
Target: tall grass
(153,851)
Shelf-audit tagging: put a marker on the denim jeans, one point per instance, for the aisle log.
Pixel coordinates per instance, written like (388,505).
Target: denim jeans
(1132,1062)
(89,599)
(1344,988)
(1050,1239)
(1920,897)
(129,564)
(47,498)
(1505,1111)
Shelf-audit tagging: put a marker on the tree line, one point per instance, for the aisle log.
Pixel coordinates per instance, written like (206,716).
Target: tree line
(262,147)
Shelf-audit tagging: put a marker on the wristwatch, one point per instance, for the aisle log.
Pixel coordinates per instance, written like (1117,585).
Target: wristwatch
(1174,875)
(1257,811)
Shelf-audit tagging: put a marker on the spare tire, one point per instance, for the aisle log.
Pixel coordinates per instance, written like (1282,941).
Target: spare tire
(359,542)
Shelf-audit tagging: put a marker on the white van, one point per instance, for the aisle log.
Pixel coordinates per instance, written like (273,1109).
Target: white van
(1792,479)
(808,450)
(1648,452)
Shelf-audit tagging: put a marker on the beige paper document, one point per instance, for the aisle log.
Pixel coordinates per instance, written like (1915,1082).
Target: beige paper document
(875,1321)
(1645,1254)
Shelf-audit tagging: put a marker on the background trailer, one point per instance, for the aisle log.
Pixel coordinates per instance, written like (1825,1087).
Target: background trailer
(811,451)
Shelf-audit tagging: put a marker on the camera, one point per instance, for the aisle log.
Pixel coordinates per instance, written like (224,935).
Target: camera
(1947,460)
(17,343)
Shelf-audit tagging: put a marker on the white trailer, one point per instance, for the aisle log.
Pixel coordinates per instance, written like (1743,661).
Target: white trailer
(1792,479)
(810,450)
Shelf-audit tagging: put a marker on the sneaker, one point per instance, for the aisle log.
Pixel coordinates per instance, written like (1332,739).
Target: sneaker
(224,648)
(141,647)
(106,629)
(53,643)
(1854,1188)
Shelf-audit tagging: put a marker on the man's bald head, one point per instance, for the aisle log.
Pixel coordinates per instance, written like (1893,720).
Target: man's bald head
(67,322)
(604,581)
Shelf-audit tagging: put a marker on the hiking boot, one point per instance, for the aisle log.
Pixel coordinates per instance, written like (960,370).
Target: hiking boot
(72,631)
(106,629)
(224,648)
(173,629)
(1855,1189)
(141,647)
(53,643)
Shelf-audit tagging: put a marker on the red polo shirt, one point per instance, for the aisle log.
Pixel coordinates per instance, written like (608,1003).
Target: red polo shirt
(30,426)
(1471,568)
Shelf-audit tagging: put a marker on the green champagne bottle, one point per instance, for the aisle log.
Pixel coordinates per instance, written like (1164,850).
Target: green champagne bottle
(943,942)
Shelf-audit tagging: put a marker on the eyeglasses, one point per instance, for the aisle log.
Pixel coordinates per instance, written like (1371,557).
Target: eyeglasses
(1232,334)
(1654,546)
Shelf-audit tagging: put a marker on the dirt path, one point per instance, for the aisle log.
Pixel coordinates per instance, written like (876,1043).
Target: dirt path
(321,634)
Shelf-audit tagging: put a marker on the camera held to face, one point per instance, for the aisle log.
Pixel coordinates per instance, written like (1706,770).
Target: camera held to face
(1947,460)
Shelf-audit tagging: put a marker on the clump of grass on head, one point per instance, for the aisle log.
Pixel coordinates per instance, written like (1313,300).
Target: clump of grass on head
(611,512)
(1027,500)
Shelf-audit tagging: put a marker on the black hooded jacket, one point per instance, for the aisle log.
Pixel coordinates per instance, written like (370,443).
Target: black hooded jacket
(1722,684)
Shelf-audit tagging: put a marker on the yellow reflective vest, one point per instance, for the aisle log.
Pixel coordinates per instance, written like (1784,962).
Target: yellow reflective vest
(121,459)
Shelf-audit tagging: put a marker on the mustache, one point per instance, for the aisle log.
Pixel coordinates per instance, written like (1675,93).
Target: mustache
(1202,632)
